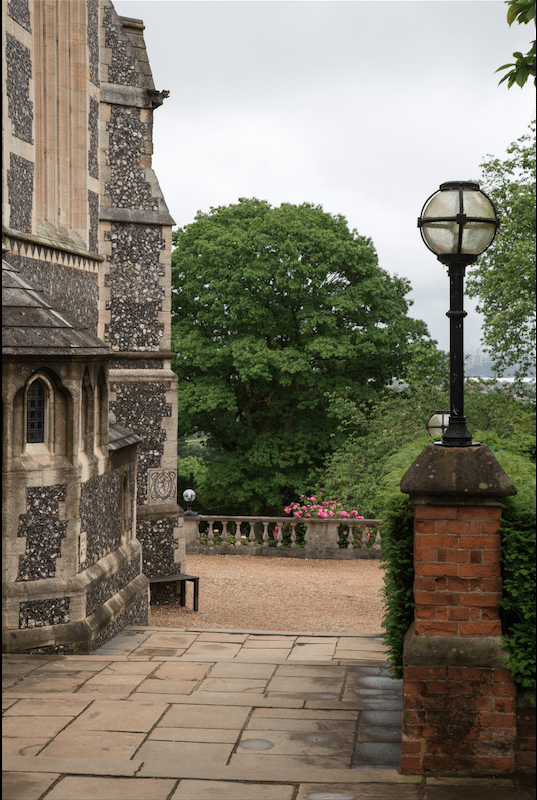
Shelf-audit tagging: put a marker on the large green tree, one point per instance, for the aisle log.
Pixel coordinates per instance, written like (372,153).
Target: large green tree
(503,278)
(523,12)
(273,308)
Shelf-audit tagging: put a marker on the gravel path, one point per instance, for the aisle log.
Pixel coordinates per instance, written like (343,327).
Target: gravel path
(280,594)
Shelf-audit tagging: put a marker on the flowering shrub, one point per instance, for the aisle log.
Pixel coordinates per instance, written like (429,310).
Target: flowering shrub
(315,506)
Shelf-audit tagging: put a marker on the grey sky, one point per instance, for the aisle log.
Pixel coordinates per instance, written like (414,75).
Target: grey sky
(361,106)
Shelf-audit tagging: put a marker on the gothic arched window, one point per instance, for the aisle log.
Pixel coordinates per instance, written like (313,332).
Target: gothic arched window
(35,412)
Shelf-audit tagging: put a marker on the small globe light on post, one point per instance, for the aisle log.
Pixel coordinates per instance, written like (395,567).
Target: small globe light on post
(438,423)
(189,495)
(457,223)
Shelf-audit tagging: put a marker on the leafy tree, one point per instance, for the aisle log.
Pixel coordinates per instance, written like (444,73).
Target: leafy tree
(521,11)
(272,309)
(374,431)
(355,473)
(504,277)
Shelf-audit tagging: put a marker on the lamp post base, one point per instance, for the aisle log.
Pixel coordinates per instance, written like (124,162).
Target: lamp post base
(456,433)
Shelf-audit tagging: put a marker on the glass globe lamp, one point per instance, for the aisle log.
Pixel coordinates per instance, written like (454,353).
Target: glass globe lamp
(458,222)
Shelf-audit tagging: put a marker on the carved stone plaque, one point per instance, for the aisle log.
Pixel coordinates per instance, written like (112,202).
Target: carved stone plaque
(162,486)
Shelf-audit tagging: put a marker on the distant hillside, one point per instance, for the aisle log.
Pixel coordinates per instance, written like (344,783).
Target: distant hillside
(479,365)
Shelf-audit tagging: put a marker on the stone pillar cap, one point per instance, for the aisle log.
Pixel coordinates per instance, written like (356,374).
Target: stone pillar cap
(461,471)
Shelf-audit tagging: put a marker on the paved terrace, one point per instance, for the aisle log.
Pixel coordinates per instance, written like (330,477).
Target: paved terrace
(173,714)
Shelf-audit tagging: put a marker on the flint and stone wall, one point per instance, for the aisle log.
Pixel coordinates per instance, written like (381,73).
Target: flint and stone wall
(85,222)
(135,231)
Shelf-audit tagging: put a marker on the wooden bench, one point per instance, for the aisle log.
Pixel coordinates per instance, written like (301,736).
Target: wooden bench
(181,578)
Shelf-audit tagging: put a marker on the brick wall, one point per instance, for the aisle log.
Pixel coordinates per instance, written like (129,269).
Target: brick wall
(460,715)
(457,583)
(458,719)
(525,742)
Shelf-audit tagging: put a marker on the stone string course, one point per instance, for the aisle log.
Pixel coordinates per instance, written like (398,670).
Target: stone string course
(20,183)
(141,408)
(37,613)
(20,12)
(100,516)
(136,363)
(43,529)
(19,106)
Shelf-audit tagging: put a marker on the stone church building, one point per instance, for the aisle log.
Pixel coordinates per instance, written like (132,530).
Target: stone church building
(89,399)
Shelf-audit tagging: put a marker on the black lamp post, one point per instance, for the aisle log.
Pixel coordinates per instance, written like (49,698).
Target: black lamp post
(457,223)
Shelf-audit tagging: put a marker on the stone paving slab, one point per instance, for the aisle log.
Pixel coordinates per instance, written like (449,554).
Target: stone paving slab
(185,714)
(93,744)
(346,791)
(291,742)
(118,716)
(222,790)
(183,754)
(233,669)
(214,735)
(23,745)
(26,786)
(87,788)
(71,707)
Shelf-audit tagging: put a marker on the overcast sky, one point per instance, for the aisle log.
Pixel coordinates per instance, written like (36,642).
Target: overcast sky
(361,106)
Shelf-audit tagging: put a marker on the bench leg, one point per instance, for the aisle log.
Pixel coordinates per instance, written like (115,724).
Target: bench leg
(196,583)
(182,597)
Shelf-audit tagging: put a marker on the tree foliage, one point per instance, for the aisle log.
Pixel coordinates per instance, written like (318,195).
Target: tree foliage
(503,278)
(272,308)
(374,431)
(523,12)
(355,474)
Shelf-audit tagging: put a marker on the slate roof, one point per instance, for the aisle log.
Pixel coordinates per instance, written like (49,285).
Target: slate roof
(119,437)
(34,325)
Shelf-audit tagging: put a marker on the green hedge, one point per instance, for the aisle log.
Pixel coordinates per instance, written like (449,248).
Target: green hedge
(518,526)
(397,515)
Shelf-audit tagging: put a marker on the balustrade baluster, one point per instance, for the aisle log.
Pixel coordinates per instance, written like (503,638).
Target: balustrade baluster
(279,536)
(293,535)
(251,543)
(377,536)
(210,537)
(265,534)
(350,537)
(238,542)
(363,538)
(223,535)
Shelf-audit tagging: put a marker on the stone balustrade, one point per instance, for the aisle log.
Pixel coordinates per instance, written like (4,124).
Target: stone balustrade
(283,536)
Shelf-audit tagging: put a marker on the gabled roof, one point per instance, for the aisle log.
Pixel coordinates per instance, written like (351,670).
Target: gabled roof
(34,325)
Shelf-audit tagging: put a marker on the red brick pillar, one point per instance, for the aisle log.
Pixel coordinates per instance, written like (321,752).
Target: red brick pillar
(459,708)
